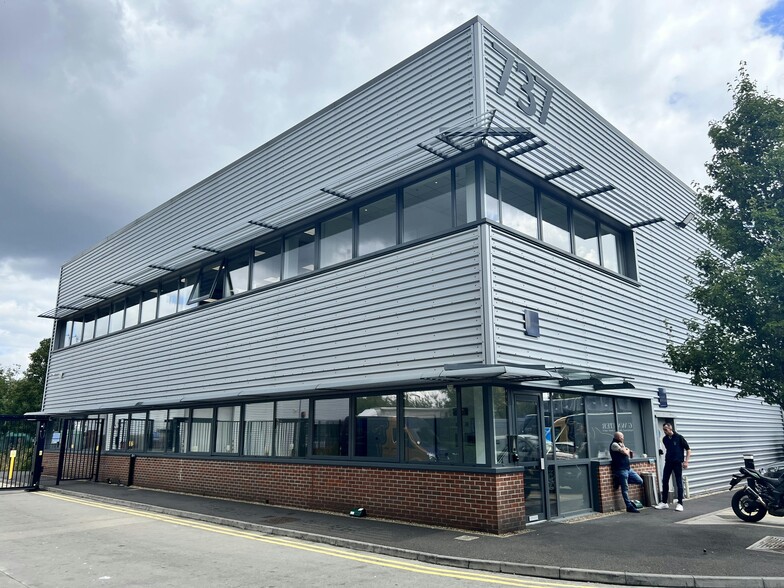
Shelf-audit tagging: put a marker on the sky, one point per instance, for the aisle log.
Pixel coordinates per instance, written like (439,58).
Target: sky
(109,108)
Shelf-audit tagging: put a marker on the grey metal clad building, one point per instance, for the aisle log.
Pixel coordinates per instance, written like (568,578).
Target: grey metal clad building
(459,269)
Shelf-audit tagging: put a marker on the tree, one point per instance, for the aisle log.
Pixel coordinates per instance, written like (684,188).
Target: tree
(739,342)
(19,395)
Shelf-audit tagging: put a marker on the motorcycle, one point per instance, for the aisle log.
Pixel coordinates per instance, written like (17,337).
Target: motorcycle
(763,494)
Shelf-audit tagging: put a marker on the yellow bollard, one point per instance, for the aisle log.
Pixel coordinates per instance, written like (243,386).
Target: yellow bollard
(11,464)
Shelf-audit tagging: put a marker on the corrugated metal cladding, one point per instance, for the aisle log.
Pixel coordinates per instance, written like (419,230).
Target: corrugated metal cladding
(280,182)
(391,316)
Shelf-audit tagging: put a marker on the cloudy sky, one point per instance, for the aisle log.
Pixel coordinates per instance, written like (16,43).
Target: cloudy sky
(109,108)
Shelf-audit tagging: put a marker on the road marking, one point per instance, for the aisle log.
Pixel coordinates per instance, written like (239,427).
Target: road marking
(316,548)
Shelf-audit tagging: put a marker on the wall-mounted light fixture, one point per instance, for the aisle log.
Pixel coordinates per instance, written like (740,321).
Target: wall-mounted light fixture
(681,224)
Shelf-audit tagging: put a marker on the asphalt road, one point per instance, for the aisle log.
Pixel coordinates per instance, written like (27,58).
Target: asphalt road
(50,540)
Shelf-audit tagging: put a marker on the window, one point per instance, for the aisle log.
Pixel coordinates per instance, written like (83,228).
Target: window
(186,285)
(465,193)
(102,321)
(76,333)
(518,205)
(89,327)
(611,258)
(266,264)
(627,412)
(430,426)
(201,430)
(299,253)
(492,204)
(600,417)
(227,430)
(501,426)
(177,430)
(376,427)
(132,311)
(427,207)
(336,240)
(586,241)
(117,318)
(137,431)
(237,275)
(156,431)
(120,426)
(258,428)
(149,305)
(207,282)
(168,300)
(473,421)
(555,223)
(330,427)
(291,428)
(568,432)
(377,225)
(67,334)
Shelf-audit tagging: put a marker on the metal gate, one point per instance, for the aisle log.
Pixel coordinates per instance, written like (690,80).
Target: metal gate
(21,451)
(80,449)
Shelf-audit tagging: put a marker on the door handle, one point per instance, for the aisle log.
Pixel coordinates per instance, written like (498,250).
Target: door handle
(541,463)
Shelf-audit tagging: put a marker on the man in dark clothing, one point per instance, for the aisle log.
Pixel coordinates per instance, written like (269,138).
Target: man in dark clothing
(676,459)
(622,470)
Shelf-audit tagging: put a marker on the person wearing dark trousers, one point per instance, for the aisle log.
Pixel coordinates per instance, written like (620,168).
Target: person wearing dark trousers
(676,459)
(622,471)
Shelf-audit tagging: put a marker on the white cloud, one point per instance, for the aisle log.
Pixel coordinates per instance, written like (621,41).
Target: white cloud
(24,298)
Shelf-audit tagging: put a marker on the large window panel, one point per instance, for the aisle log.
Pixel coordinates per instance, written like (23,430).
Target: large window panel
(291,428)
(377,225)
(67,331)
(336,240)
(132,311)
(227,430)
(201,430)
(427,207)
(569,434)
(431,426)
(137,433)
(586,240)
(555,223)
(473,416)
(258,428)
(102,321)
(330,427)
(376,427)
(167,303)
(600,418)
(237,275)
(627,411)
(156,431)
(501,426)
(76,331)
(120,426)
(177,430)
(117,317)
(266,263)
(299,253)
(611,257)
(465,193)
(186,285)
(89,327)
(492,204)
(518,205)
(149,305)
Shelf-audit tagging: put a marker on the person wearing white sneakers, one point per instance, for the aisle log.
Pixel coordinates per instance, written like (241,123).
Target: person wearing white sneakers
(676,459)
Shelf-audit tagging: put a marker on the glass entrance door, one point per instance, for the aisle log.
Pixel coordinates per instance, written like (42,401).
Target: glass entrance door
(528,452)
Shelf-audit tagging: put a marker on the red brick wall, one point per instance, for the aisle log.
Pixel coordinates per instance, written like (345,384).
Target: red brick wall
(483,502)
(610,499)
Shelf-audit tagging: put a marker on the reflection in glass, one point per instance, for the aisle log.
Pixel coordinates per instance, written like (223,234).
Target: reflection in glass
(600,418)
(167,303)
(534,498)
(574,488)
(465,193)
(177,430)
(258,428)
(430,426)
(378,225)
(376,426)
(237,275)
(427,207)
(518,205)
(89,327)
(120,426)
(76,332)
(291,428)
(266,264)
(156,431)
(501,426)
(102,321)
(149,305)
(473,425)
(630,424)
(330,427)
(201,430)
(299,253)
(555,223)
(67,334)
(132,311)
(205,285)
(569,433)
(336,240)
(227,430)
(116,319)
(610,254)
(586,241)
(186,285)
(137,432)
(492,206)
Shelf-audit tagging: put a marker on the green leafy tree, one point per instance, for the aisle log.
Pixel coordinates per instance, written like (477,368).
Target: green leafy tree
(24,393)
(739,342)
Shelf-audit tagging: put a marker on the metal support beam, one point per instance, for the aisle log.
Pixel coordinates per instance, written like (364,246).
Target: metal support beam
(595,191)
(98,296)
(435,152)
(564,172)
(261,224)
(162,268)
(123,283)
(208,249)
(335,193)
(537,144)
(645,223)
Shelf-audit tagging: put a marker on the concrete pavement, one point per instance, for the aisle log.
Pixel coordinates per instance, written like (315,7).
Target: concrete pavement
(703,546)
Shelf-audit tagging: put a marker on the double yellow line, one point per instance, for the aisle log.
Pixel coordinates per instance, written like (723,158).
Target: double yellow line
(315,547)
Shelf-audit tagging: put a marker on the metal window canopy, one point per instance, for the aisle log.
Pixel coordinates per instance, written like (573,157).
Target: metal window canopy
(535,152)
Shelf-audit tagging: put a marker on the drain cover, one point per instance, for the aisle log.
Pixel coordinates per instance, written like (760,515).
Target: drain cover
(774,544)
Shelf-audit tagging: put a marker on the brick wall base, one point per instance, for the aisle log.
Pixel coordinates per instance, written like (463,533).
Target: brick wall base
(609,498)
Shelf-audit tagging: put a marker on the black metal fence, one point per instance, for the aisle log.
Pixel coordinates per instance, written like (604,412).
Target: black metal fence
(80,449)
(21,451)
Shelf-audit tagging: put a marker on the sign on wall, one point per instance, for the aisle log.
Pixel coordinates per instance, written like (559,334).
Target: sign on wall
(519,75)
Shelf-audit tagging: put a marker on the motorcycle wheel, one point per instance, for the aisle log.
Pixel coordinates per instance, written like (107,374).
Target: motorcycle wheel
(746,508)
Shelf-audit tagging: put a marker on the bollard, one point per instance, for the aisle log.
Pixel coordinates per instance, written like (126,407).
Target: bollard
(131,467)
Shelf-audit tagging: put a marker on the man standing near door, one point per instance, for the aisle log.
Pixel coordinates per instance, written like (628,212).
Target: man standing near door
(622,469)
(676,459)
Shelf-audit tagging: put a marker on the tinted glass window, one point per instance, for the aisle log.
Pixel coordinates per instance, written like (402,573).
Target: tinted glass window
(336,242)
(89,327)
(555,223)
(427,207)
(177,430)
(102,321)
(156,431)
(167,304)
(132,311)
(611,258)
(431,426)
(300,253)
(473,425)
(258,428)
(201,430)
(205,283)
(237,275)
(149,305)
(116,319)
(376,427)
(266,264)
(465,193)
(291,428)
(378,225)
(501,426)
(518,205)
(627,411)
(586,241)
(227,430)
(330,427)
(492,205)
